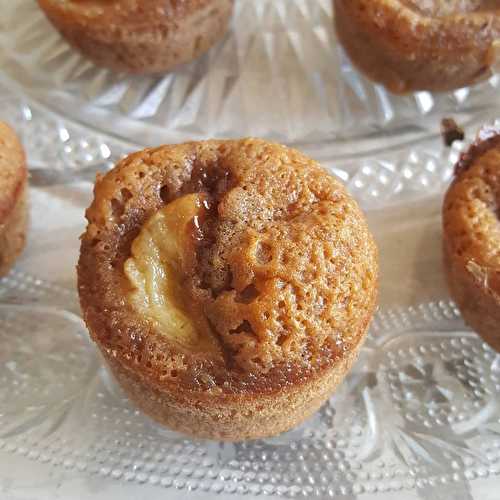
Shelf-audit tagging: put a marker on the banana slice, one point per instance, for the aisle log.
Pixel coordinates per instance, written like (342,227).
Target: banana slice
(162,253)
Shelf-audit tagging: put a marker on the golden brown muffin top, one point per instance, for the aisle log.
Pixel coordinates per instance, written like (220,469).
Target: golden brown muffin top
(464,15)
(472,209)
(409,31)
(13,171)
(124,14)
(442,8)
(285,268)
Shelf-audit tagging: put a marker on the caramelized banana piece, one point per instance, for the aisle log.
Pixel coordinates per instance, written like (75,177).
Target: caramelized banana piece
(162,253)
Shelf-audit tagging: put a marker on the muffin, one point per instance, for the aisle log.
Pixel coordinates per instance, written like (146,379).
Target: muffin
(410,45)
(472,236)
(149,36)
(228,284)
(13,198)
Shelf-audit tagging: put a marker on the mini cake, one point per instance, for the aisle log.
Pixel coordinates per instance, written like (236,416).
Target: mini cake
(228,284)
(13,198)
(411,45)
(472,236)
(150,36)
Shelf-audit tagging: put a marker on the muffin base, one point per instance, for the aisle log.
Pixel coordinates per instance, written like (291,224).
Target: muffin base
(229,417)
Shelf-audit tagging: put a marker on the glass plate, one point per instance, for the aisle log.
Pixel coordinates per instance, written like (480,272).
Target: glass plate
(420,411)
(61,151)
(279,74)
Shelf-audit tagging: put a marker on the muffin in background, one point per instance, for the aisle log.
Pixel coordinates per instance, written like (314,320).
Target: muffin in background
(412,45)
(148,36)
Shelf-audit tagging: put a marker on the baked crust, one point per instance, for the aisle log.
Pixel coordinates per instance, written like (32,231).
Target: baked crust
(286,273)
(13,198)
(472,236)
(150,36)
(410,46)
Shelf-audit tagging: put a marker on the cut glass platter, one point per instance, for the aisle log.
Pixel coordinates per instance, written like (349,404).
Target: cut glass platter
(419,415)
(279,73)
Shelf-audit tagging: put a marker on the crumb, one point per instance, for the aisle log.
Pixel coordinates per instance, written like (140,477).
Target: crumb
(451,132)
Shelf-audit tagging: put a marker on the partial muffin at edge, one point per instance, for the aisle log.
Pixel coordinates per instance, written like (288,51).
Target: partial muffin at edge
(13,198)
(151,36)
(471,230)
(284,278)
(410,46)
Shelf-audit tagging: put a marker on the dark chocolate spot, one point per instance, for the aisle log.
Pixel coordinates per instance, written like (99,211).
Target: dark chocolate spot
(451,132)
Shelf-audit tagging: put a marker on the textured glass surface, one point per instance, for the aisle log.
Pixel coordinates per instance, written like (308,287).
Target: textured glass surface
(279,74)
(420,411)
(61,151)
